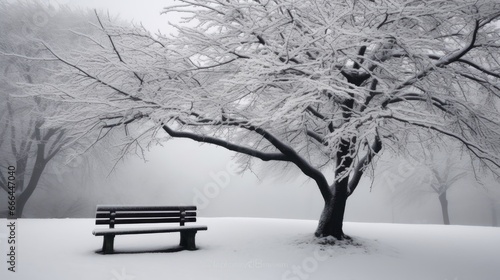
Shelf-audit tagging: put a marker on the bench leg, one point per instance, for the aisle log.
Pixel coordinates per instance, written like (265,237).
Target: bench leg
(108,244)
(188,240)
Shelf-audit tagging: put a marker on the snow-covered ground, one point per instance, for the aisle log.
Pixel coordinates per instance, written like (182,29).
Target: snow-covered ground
(247,248)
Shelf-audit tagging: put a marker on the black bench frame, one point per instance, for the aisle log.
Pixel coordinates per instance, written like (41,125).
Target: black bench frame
(115,215)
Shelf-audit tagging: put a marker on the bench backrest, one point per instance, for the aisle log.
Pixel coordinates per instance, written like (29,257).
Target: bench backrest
(115,215)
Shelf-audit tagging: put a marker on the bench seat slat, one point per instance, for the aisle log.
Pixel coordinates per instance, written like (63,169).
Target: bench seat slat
(143,208)
(123,231)
(143,221)
(107,215)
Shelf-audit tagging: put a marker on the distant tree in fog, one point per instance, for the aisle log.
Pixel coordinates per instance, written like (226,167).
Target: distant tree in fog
(446,174)
(27,140)
(435,173)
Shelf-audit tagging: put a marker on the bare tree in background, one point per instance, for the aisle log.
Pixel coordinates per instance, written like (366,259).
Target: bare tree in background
(445,175)
(490,188)
(27,140)
(434,173)
(316,84)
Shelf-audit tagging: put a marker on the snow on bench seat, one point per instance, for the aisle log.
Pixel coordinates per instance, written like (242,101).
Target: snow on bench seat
(123,231)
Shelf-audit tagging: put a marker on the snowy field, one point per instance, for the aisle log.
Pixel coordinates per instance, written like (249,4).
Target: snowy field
(246,248)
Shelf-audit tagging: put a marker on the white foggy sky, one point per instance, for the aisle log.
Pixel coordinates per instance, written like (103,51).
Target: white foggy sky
(146,11)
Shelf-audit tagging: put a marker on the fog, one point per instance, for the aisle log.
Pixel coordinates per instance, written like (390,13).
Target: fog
(182,172)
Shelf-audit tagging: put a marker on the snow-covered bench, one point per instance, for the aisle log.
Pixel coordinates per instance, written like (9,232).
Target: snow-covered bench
(120,215)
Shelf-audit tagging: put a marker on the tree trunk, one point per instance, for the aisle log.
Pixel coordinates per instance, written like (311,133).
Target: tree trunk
(38,168)
(444,208)
(20,203)
(332,216)
(494,219)
(26,194)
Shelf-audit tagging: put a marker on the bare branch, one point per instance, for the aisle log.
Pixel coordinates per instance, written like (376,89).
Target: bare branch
(479,152)
(114,47)
(130,96)
(482,69)
(363,163)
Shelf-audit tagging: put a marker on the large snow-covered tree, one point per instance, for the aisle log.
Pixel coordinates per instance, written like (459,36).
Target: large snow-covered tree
(318,84)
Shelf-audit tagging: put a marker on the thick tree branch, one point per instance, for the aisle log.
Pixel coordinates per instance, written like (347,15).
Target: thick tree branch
(372,94)
(4,127)
(38,168)
(441,104)
(56,145)
(286,152)
(225,144)
(363,163)
(51,154)
(3,182)
(123,122)
(317,137)
(477,67)
(299,161)
(361,53)
(315,113)
(442,61)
